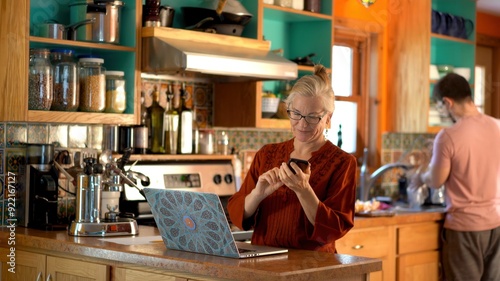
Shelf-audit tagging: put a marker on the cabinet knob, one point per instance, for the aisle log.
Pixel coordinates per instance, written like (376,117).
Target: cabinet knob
(358,247)
(39,276)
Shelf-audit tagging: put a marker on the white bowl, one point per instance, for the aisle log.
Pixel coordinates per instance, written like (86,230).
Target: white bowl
(269,106)
(463,71)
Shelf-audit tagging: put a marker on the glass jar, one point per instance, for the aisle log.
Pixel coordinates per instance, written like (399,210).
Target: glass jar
(116,98)
(40,87)
(283,3)
(65,81)
(312,6)
(92,85)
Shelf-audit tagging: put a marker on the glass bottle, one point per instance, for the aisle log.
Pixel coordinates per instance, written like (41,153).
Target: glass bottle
(142,136)
(171,123)
(185,135)
(66,91)
(116,97)
(196,134)
(92,85)
(40,81)
(156,111)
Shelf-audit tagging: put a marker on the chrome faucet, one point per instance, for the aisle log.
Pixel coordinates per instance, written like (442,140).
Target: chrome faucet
(367,181)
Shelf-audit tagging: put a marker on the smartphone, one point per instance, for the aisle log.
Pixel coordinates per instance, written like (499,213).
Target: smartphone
(303,164)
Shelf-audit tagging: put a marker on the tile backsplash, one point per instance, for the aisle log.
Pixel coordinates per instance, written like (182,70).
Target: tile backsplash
(14,137)
(399,147)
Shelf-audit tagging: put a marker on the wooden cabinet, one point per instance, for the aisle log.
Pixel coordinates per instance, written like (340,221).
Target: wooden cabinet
(451,50)
(23,266)
(24,17)
(127,274)
(373,242)
(33,266)
(297,33)
(412,47)
(418,252)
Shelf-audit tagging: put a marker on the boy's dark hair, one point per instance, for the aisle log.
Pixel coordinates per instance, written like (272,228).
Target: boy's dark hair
(452,86)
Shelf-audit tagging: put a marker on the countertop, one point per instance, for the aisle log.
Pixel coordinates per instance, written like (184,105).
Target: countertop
(400,218)
(295,265)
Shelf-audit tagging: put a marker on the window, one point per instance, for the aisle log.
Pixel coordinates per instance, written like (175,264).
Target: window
(349,55)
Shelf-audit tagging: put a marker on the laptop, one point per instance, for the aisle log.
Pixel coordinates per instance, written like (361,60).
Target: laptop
(196,222)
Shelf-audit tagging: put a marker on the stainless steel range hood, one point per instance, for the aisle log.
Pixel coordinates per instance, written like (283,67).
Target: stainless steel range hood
(221,57)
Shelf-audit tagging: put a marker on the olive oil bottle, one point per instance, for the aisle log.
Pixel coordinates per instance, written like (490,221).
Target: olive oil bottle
(171,123)
(157,112)
(185,135)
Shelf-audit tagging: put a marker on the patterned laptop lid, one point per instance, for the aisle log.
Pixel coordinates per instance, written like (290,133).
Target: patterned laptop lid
(192,221)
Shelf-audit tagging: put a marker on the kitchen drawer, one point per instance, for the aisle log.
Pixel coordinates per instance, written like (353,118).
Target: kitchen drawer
(373,242)
(418,237)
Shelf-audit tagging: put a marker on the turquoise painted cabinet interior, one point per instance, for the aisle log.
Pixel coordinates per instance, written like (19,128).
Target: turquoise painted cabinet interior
(448,50)
(297,33)
(121,57)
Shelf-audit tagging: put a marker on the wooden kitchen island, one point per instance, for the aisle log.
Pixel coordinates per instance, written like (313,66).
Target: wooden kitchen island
(64,257)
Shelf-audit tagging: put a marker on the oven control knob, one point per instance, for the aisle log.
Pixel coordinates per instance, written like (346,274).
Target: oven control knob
(228,178)
(217,179)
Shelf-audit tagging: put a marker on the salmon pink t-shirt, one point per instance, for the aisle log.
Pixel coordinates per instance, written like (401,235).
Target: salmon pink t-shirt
(471,149)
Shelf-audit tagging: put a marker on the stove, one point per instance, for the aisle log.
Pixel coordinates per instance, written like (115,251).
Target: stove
(200,173)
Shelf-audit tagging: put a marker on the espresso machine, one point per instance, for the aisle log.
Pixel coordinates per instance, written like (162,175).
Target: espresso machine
(101,180)
(40,197)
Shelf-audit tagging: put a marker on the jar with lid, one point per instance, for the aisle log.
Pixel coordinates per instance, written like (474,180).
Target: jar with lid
(92,84)
(66,91)
(116,97)
(283,3)
(312,6)
(40,80)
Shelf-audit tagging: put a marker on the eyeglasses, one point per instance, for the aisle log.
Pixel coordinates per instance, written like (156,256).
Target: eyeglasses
(294,115)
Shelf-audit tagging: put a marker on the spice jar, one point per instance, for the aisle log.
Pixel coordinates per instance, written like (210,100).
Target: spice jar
(92,85)
(40,88)
(312,6)
(116,98)
(65,80)
(283,3)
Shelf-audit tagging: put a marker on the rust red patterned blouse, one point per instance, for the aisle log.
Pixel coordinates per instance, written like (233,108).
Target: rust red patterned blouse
(280,221)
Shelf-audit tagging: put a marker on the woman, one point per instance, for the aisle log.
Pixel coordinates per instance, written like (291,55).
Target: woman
(307,209)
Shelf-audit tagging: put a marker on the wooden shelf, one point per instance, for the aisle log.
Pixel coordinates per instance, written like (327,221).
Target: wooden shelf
(80,117)
(81,44)
(198,37)
(284,14)
(451,38)
(177,157)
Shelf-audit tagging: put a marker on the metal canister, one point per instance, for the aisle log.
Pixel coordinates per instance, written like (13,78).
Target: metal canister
(105,16)
(82,183)
(110,138)
(140,139)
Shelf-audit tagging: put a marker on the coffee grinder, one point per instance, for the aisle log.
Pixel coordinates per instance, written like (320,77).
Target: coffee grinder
(40,198)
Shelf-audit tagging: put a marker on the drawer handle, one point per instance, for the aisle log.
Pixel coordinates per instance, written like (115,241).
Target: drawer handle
(358,247)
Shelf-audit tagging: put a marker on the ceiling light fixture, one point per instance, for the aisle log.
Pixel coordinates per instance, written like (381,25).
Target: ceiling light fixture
(367,3)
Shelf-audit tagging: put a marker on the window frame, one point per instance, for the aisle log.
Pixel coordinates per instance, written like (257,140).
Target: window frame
(359,44)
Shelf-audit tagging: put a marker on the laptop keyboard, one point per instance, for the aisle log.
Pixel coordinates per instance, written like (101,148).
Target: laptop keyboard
(244,250)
